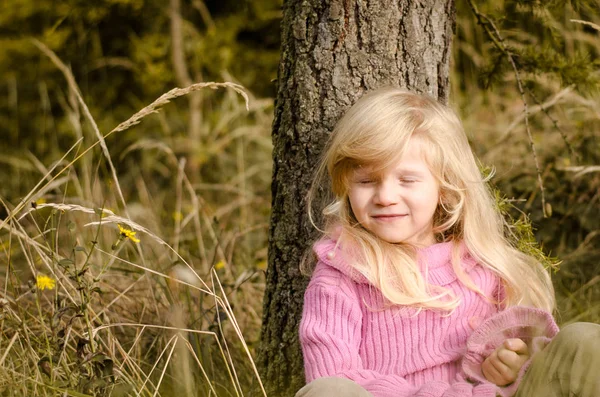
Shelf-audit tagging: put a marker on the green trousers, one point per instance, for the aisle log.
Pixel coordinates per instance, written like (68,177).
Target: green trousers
(568,367)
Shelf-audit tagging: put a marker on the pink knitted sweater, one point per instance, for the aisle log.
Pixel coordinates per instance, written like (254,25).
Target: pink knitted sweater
(346,331)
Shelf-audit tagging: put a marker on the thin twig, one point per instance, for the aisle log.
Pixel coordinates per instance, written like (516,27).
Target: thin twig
(555,122)
(496,37)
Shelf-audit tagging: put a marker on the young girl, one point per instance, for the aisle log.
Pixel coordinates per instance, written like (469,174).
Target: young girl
(416,291)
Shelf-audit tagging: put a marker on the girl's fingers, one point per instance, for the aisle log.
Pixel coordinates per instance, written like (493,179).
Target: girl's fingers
(490,373)
(516,345)
(497,372)
(507,373)
(503,365)
(510,359)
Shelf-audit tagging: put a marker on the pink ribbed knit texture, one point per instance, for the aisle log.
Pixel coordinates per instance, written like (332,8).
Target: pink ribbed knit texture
(346,331)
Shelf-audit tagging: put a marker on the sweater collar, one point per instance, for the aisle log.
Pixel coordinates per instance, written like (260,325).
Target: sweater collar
(435,255)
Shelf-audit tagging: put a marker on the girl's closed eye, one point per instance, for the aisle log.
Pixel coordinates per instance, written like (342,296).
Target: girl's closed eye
(364,178)
(408,180)
(365,181)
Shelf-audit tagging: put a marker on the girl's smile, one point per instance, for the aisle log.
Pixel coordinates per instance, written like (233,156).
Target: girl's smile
(398,203)
(388,217)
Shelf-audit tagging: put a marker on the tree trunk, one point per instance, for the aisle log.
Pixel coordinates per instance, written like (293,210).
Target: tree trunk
(332,52)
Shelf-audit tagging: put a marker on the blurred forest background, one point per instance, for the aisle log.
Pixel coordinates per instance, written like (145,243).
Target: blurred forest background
(102,238)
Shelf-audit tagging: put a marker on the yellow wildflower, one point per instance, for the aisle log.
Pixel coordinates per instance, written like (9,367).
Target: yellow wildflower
(262,265)
(43,282)
(130,234)
(219,265)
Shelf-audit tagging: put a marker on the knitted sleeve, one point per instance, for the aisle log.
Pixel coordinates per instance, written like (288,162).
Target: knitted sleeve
(330,336)
(535,327)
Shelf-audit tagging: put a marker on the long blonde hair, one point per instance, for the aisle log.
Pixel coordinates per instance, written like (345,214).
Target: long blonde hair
(375,132)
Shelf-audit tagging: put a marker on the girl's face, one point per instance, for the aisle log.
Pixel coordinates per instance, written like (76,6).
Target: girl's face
(397,204)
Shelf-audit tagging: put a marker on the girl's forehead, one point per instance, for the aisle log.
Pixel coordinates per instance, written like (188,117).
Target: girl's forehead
(414,157)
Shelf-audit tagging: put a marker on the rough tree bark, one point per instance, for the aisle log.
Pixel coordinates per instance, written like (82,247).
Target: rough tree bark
(332,52)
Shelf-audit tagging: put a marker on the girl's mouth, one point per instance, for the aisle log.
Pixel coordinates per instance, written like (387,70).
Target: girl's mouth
(388,217)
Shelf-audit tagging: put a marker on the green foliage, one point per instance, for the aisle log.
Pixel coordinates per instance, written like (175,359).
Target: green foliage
(577,69)
(542,49)
(555,47)
(520,232)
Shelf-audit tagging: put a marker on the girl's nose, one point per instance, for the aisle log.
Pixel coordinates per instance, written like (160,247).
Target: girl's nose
(387,194)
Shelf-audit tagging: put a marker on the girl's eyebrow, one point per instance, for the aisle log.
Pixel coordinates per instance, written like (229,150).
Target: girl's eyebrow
(410,171)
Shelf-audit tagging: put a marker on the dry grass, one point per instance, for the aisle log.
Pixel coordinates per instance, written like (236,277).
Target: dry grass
(151,307)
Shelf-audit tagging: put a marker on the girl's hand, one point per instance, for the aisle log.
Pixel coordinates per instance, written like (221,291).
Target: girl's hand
(503,365)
